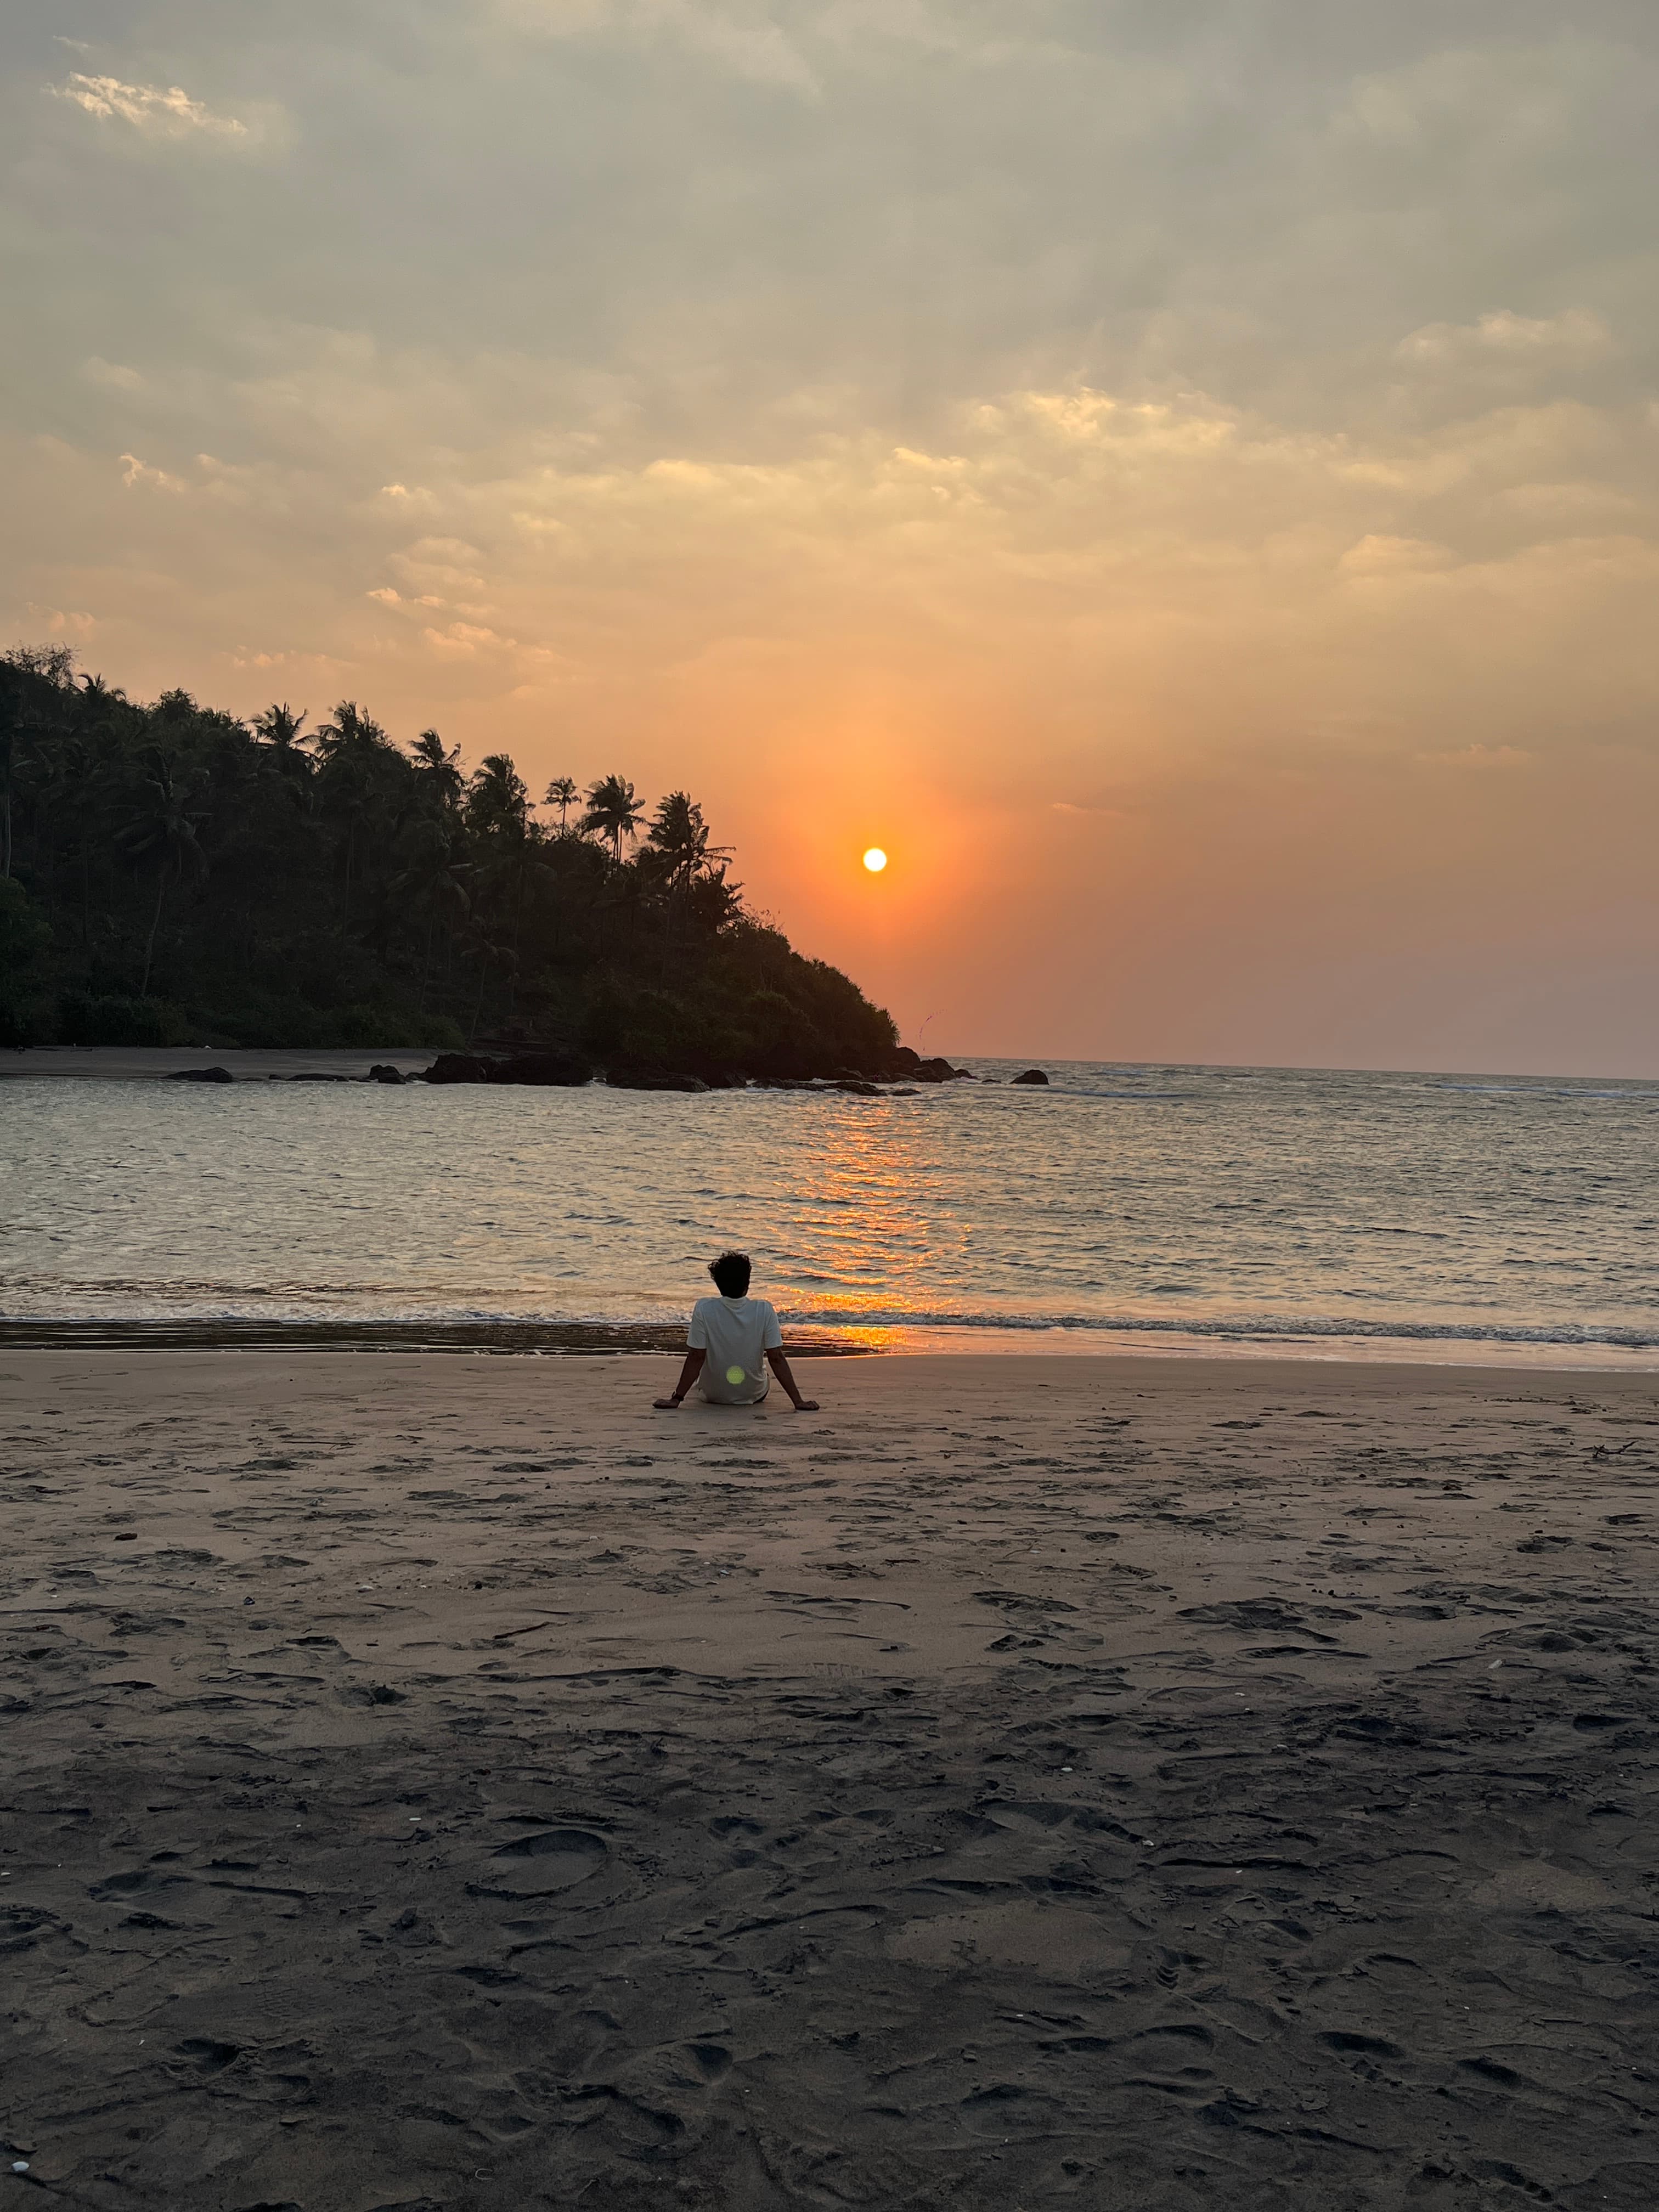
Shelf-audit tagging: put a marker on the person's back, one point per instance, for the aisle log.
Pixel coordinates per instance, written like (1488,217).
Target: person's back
(734,1335)
(731,1343)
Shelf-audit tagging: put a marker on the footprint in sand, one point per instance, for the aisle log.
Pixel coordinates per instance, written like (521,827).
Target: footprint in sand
(543,1863)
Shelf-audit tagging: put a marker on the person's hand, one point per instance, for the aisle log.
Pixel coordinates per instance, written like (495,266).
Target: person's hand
(666,1405)
(806,1405)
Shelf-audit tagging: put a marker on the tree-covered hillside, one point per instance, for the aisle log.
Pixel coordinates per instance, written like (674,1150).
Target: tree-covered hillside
(169,874)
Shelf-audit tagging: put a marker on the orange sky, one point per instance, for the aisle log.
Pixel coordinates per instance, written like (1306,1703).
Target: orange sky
(1183,485)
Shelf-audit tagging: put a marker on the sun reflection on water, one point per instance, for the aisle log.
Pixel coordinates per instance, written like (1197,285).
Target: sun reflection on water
(867,1215)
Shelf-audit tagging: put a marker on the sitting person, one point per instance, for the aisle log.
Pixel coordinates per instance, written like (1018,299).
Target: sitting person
(731,1342)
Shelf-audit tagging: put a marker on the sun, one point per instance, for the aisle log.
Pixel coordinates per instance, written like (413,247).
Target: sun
(875,859)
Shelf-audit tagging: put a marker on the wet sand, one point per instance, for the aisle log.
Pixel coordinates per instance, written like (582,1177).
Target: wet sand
(444,1782)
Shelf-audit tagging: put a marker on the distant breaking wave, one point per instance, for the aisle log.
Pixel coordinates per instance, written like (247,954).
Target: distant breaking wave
(1243,1328)
(870,1330)
(245,1316)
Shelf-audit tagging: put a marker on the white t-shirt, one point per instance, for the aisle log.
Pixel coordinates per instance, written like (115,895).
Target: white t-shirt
(735,1335)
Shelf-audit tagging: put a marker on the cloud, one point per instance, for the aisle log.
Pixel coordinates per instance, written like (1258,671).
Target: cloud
(464,640)
(744,40)
(1576,330)
(135,474)
(1377,554)
(63,622)
(112,376)
(1478,758)
(170,113)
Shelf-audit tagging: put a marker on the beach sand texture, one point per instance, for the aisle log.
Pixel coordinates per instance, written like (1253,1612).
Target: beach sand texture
(444,1782)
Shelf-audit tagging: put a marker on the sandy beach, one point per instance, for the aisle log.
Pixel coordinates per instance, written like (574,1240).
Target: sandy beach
(442,1781)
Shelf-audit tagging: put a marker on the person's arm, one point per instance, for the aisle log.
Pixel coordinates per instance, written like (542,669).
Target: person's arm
(689,1374)
(780,1366)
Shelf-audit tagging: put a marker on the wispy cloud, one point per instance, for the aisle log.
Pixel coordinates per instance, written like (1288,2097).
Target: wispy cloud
(169,112)
(1574,331)
(138,475)
(741,39)
(111,376)
(1478,757)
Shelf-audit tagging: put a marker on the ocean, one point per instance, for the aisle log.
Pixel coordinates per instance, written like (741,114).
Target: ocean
(1179,1209)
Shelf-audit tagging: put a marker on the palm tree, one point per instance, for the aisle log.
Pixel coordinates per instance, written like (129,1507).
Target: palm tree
(438,766)
(497,798)
(351,730)
(352,749)
(164,825)
(498,815)
(437,876)
(13,727)
(280,728)
(491,953)
(81,777)
(102,696)
(562,794)
(613,812)
(16,725)
(63,774)
(679,834)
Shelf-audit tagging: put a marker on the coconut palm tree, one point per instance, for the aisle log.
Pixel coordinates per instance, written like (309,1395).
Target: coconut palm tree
(12,728)
(562,794)
(280,727)
(613,812)
(438,876)
(355,751)
(63,773)
(163,824)
(281,732)
(497,798)
(101,696)
(439,767)
(350,729)
(18,725)
(679,834)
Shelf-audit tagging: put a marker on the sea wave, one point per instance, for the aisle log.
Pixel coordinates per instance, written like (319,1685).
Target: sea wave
(824,1328)
(1241,1328)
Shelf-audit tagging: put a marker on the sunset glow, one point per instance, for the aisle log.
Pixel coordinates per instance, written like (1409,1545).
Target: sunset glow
(1246,615)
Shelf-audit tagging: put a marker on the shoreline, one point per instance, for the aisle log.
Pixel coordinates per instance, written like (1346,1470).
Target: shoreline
(529,1339)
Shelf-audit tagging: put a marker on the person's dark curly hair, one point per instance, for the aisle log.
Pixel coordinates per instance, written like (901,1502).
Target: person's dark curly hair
(730,1272)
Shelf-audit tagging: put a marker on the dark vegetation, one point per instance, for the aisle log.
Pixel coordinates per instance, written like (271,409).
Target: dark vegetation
(170,875)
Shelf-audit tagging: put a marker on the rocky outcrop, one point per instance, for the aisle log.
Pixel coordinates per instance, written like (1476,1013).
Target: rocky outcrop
(553,1066)
(621,1080)
(202,1075)
(459,1067)
(545,1070)
(550,1070)
(1031,1075)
